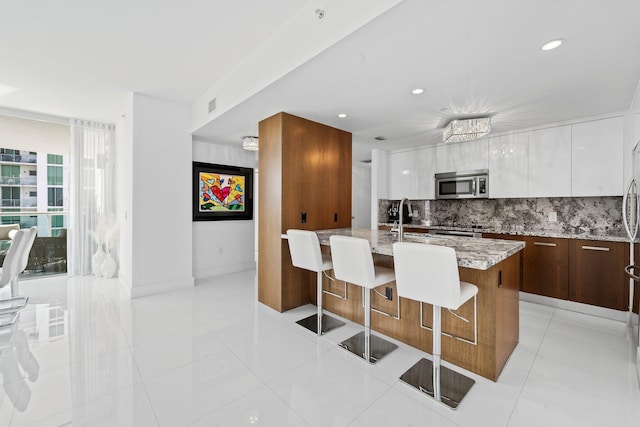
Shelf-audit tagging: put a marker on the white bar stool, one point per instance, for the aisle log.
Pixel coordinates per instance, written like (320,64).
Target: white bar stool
(353,263)
(429,273)
(305,253)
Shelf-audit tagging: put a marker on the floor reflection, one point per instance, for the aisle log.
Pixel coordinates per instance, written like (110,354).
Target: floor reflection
(18,365)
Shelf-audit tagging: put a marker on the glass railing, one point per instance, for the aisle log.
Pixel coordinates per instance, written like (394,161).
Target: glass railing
(18,158)
(49,252)
(17,180)
(23,203)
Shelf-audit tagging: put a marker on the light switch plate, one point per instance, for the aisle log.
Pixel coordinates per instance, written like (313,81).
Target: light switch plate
(553,216)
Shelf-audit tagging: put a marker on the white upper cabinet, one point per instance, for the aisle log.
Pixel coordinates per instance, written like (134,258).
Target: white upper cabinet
(411,174)
(508,166)
(597,157)
(462,156)
(403,178)
(550,162)
(426,167)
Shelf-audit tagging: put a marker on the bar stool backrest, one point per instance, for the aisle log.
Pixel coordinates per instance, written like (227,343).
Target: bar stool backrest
(352,260)
(427,273)
(304,247)
(11,263)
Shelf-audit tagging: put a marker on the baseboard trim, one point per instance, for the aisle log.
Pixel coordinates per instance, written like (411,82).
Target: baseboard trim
(592,310)
(227,269)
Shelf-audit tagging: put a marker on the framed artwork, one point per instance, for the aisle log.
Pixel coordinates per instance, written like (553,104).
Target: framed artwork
(222,193)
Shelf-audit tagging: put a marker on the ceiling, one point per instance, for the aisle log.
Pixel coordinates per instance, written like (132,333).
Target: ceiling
(82,59)
(471,58)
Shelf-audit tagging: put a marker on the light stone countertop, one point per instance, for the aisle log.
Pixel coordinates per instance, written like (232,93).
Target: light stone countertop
(479,254)
(586,235)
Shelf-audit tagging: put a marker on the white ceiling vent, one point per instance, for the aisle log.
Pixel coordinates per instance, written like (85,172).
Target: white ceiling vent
(212,105)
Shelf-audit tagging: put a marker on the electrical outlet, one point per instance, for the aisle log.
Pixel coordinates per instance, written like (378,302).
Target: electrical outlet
(553,216)
(388,293)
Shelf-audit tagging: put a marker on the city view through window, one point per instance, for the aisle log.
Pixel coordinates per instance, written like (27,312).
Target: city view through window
(34,193)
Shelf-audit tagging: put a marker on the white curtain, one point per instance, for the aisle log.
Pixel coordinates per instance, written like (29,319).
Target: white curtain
(92,191)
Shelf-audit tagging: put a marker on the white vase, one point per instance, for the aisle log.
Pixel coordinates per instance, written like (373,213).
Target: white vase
(109,266)
(96,262)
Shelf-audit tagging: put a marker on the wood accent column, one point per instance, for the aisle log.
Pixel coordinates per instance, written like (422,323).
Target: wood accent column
(305,170)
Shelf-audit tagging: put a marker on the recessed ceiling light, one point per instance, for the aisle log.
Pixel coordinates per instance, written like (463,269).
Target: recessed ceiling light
(342,115)
(5,89)
(550,45)
(417,91)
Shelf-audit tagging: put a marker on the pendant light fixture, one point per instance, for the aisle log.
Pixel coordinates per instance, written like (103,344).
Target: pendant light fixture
(250,143)
(466,129)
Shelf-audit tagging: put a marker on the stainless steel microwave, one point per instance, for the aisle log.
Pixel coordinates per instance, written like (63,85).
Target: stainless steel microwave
(463,185)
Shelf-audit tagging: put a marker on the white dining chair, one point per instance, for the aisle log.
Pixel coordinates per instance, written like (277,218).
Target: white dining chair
(24,255)
(11,306)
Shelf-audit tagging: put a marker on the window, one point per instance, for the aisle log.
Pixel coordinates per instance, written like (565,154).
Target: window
(10,220)
(10,196)
(8,151)
(55,197)
(57,221)
(10,171)
(33,194)
(54,159)
(33,173)
(54,175)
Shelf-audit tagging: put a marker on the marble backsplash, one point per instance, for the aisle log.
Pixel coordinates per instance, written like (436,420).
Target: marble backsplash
(595,215)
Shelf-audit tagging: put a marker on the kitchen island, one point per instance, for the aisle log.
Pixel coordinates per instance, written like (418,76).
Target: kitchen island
(492,265)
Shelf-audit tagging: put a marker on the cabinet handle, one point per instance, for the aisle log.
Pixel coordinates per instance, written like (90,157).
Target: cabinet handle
(595,248)
(546,244)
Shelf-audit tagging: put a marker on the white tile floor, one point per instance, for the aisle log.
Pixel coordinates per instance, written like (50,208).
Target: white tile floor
(84,355)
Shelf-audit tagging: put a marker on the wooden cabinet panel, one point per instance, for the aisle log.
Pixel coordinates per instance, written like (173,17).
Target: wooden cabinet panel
(522,257)
(585,271)
(316,175)
(596,273)
(305,167)
(546,267)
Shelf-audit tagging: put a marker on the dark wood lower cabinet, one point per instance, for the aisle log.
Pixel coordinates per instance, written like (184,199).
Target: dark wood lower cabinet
(596,271)
(546,267)
(585,271)
(522,256)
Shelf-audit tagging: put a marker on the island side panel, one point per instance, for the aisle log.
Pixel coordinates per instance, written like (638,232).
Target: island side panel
(508,310)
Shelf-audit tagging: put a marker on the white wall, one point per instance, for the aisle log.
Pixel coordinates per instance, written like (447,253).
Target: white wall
(34,135)
(361,197)
(379,182)
(221,247)
(155,207)
(124,193)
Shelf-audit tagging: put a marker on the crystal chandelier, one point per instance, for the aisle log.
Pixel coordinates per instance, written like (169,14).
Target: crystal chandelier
(250,143)
(466,129)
